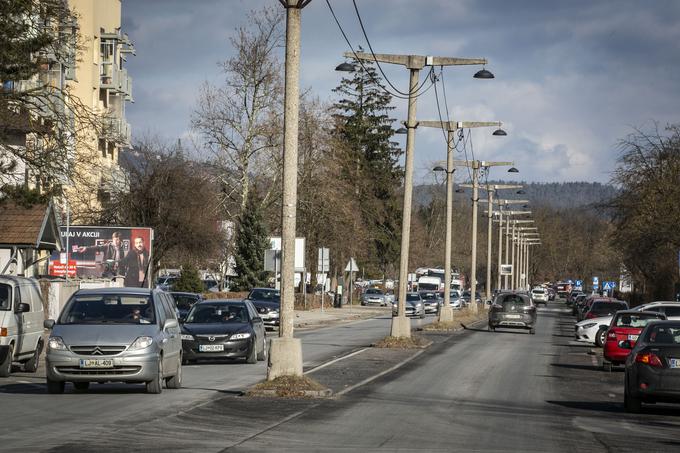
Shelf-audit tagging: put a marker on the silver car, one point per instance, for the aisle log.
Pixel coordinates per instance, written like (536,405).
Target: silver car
(414,306)
(115,335)
(374,296)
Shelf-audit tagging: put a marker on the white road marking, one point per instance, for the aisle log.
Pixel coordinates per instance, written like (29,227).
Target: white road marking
(334,360)
(366,381)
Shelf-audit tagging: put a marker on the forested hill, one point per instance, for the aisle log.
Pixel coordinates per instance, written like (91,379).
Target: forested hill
(557,195)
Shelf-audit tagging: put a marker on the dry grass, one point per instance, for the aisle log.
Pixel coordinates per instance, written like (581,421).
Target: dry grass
(287,387)
(412,342)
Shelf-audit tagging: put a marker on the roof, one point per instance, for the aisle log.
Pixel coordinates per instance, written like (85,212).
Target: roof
(116,290)
(35,226)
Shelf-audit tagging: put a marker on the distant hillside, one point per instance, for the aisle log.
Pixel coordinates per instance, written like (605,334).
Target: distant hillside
(565,195)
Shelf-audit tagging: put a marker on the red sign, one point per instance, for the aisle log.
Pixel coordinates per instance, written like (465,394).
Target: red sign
(58,269)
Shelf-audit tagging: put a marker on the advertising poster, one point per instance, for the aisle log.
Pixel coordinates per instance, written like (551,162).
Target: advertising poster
(106,252)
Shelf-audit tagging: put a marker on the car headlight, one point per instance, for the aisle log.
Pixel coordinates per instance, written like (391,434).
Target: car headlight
(56,344)
(419,304)
(589,325)
(141,343)
(240,336)
(186,336)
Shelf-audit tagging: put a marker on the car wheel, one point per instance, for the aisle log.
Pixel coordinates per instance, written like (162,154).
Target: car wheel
(175,382)
(532,331)
(630,403)
(31,365)
(55,387)
(155,386)
(492,328)
(81,386)
(6,365)
(262,355)
(601,337)
(252,354)
(422,315)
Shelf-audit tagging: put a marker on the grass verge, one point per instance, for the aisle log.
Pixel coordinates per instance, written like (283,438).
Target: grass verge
(289,387)
(412,342)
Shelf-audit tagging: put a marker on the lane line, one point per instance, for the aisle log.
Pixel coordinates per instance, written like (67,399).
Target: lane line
(323,365)
(367,380)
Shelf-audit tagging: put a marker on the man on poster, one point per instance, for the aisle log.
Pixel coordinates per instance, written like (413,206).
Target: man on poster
(113,252)
(136,264)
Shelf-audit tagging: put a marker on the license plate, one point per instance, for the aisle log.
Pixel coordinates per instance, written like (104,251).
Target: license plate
(633,337)
(513,316)
(210,347)
(96,363)
(673,363)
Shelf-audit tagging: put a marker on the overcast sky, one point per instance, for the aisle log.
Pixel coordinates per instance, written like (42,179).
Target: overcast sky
(572,77)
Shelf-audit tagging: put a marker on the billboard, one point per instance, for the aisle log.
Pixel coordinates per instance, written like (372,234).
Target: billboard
(106,252)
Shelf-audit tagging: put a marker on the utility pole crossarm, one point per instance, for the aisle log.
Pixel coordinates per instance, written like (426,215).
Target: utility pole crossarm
(505,202)
(455,125)
(415,61)
(495,164)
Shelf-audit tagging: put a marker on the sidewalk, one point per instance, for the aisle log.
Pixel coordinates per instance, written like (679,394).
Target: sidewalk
(315,318)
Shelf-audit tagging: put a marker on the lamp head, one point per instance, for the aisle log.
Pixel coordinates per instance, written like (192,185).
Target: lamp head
(345,67)
(483,74)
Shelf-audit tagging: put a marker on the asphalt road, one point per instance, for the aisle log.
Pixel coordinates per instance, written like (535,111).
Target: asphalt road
(33,420)
(470,391)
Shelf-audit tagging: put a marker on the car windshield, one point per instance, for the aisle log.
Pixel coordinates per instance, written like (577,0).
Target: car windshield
(664,334)
(512,301)
(265,294)
(538,291)
(184,302)
(429,296)
(374,291)
(634,320)
(109,308)
(413,297)
(217,313)
(607,307)
(5,296)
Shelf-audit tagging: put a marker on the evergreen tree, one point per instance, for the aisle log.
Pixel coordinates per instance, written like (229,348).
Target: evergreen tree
(251,242)
(371,163)
(189,281)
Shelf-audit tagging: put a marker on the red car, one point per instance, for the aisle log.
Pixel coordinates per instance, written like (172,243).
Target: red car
(625,325)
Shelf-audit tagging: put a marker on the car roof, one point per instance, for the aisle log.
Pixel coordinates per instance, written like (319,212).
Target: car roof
(634,312)
(222,301)
(117,290)
(181,293)
(265,289)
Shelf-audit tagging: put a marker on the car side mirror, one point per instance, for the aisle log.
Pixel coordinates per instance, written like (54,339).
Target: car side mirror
(22,308)
(48,323)
(488,302)
(625,344)
(170,323)
(257,320)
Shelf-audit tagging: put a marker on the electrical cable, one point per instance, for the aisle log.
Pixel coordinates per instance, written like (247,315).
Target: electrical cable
(417,92)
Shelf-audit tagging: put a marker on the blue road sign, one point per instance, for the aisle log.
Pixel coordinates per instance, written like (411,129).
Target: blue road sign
(608,285)
(579,283)
(596,282)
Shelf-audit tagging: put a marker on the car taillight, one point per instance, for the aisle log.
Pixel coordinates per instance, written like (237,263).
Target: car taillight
(649,359)
(611,336)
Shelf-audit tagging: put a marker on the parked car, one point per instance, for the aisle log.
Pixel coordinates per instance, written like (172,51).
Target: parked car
(413,307)
(578,300)
(21,323)
(626,325)
(374,296)
(224,329)
(669,308)
(115,335)
(600,308)
(653,366)
(539,296)
(551,294)
(593,330)
(184,302)
(512,310)
(432,301)
(466,297)
(267,302)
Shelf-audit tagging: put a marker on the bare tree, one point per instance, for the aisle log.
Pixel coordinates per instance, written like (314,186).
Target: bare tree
(239,120)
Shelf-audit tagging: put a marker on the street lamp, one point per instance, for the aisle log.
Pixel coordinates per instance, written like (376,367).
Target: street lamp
(401,325)
(446,313)
(483,74)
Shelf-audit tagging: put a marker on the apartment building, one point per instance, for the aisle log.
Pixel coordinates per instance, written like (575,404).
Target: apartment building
(75,113)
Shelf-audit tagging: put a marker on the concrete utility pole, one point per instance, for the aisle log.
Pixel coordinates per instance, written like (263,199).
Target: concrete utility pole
(490,189)
(521,231)
(504,203)
(401,325)
(476,165)
(285,357)
(446,312)
(513,243)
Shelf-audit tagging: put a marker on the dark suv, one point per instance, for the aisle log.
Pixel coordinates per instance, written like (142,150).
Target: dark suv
(512,310)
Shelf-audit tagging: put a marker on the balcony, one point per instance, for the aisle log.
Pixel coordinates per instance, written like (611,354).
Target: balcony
(116,80)
(117,130)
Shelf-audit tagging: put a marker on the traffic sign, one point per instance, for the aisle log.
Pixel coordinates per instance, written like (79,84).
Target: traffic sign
(579,282)
(608,285)
(351,266)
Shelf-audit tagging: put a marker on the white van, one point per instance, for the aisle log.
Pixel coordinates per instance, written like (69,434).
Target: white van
(21,323)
